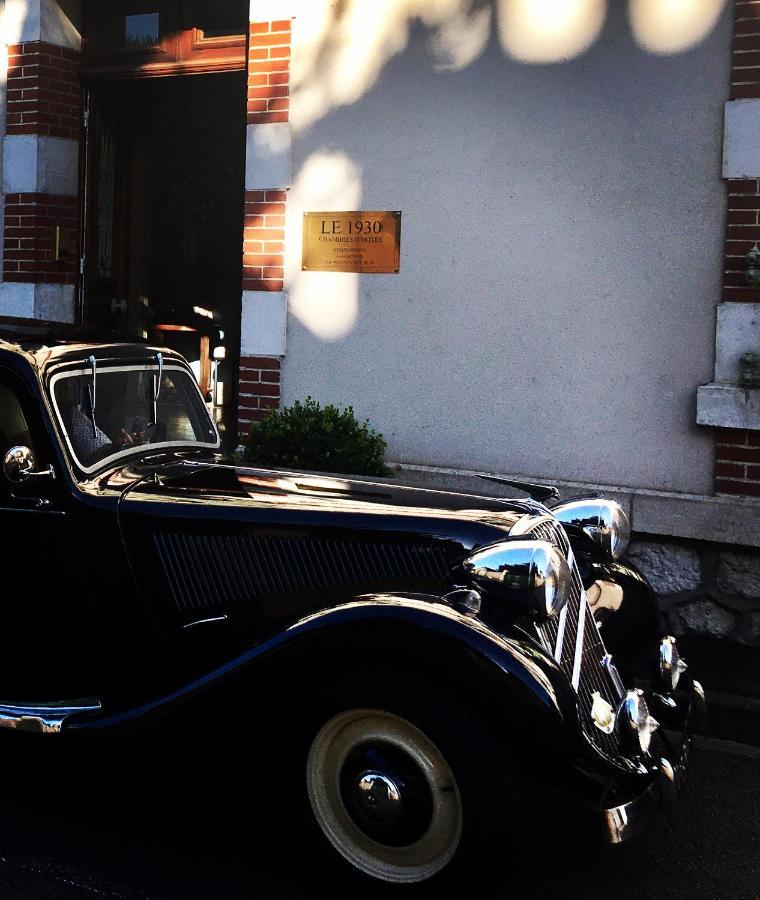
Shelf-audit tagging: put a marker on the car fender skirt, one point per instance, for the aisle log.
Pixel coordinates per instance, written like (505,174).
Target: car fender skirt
(441,642)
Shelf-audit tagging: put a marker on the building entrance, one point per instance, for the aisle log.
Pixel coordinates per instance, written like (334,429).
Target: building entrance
(163,214)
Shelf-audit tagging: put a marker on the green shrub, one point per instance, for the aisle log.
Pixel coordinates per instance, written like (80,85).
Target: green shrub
(322,439)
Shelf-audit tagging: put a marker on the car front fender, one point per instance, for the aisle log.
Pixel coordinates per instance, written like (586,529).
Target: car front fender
(503,672)
(624,606)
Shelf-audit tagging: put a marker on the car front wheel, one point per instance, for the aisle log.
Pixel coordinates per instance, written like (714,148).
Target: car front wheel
(384,795)
(397,783)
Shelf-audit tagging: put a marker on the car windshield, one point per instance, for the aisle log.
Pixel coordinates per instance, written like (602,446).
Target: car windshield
(127,414)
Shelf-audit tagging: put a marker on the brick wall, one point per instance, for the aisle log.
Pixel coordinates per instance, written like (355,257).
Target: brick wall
(269,72)
(259,390)
(737,462)
(742,222)
(30,232)
(742,230)
(737,452)
(43,90)
(745,70)
(264,240)
(44,98)
(264,225)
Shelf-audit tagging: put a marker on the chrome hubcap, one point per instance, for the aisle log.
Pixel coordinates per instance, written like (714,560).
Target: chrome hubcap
(379,797)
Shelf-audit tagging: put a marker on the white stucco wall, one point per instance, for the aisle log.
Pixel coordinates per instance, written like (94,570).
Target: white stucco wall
(561,254)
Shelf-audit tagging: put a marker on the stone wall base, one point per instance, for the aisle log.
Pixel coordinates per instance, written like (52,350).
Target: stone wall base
(703,589)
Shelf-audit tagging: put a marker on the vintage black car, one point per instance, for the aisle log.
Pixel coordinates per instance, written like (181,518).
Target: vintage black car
(442,669)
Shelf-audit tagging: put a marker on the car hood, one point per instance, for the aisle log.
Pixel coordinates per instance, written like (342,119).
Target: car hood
(207,538)
(212,490)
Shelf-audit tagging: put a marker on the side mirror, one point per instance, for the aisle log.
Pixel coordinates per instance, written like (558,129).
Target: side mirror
(19,466)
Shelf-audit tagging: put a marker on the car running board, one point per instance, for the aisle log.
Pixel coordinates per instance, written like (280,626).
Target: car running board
(44,718)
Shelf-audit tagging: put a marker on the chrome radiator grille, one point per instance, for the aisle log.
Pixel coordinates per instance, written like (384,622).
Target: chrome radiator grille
(575,643)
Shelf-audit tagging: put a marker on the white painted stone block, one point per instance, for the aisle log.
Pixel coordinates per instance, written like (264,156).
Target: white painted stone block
(269,152)
(56,27)
(741,139)
(263,325)
(39,20)
(728,406)
(17,299)
(20,164)
(54,302)
(738,331)
(21,21)
(272,10)
(58,166)
(40,164)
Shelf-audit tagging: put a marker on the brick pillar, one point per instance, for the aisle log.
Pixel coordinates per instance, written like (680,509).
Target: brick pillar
(40,169)
(745,61)
(737,450)
(259,388)
(267,181)
(737,462)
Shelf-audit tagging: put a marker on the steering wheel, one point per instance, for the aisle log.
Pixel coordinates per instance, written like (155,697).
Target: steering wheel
(155,433)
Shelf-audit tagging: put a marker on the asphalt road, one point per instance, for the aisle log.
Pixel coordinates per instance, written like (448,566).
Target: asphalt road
(73,833)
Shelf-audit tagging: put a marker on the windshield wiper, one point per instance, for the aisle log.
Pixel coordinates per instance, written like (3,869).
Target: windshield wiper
(157,385)
(91,393)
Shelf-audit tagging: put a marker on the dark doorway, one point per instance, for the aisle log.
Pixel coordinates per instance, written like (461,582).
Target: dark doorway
(164,216)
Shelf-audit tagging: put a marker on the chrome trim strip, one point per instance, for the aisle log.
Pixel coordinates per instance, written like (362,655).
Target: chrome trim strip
(563,615)
(611,668)
(560,634)
(205,621)
(44,718)
(37,511)
(544,641)
(579,641)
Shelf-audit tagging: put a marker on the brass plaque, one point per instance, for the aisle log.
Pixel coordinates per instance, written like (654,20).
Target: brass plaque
(367,242)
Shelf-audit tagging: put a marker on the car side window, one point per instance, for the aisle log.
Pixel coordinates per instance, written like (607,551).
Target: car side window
(14,429)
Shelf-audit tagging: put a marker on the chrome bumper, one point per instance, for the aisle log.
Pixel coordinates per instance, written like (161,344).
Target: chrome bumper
(626,821)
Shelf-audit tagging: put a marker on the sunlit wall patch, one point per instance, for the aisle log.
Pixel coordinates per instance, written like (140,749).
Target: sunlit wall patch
(549,31)
(666,27)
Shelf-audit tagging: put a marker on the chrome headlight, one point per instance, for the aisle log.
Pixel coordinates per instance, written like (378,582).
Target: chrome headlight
(671,665)
(602,520)
(636,725)
(533,569)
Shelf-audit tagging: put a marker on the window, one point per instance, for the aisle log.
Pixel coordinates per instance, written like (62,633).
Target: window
(142,30)
(127,416)
(219,18)
(164,37)
(128,26)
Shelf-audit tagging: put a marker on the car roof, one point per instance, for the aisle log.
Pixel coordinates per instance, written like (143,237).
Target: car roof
(43,343)
(40,332)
